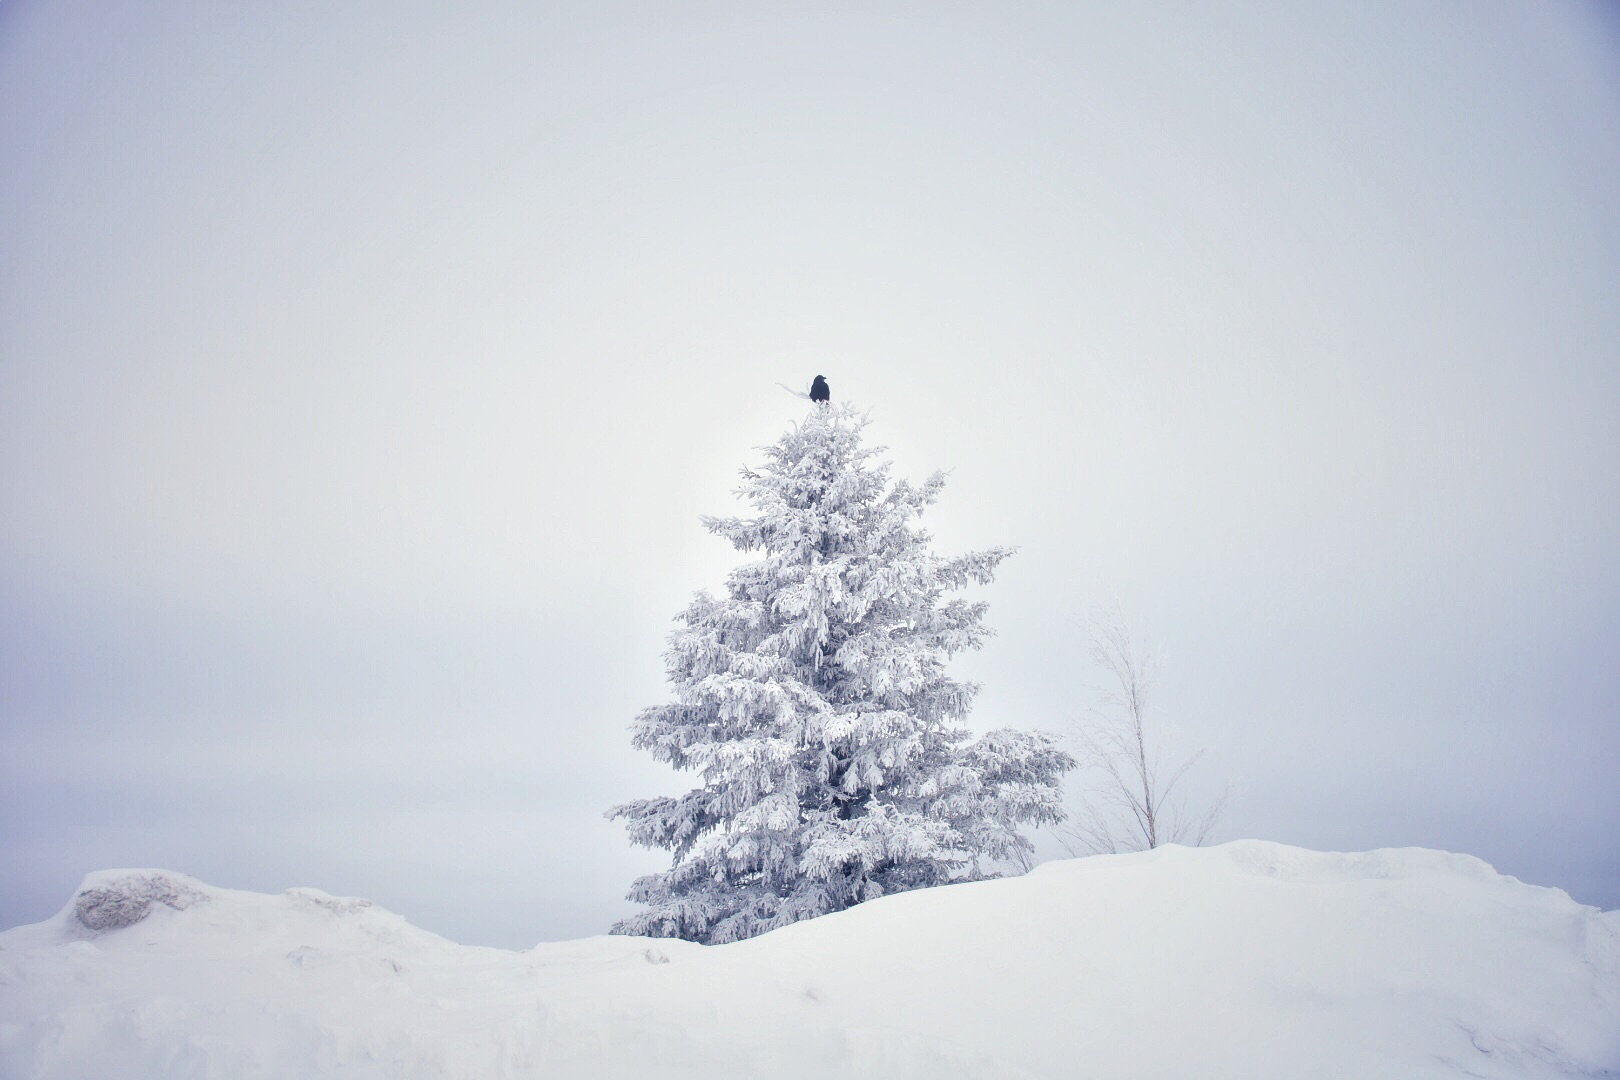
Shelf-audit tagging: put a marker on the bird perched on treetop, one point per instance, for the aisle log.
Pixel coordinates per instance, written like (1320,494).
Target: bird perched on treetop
(819,391)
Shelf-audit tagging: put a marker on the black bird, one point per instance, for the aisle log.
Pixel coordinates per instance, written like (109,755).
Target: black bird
(819,391)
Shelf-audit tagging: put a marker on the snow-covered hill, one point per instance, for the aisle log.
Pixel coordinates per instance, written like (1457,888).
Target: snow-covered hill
(1247,960)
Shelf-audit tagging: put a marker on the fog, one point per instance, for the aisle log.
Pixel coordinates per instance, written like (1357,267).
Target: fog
(364,373)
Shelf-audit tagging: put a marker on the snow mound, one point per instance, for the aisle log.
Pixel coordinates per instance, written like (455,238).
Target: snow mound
(115,899)
(1247,960)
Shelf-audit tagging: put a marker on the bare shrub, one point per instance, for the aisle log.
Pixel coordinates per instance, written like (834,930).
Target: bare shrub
(1135,802)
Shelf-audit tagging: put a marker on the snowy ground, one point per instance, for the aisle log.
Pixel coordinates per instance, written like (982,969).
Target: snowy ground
(1246,960)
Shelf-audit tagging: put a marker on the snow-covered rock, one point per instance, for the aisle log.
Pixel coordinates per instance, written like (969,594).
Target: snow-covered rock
(114,899)
(1246,960)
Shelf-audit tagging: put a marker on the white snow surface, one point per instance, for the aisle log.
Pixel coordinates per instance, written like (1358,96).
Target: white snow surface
(1246,960)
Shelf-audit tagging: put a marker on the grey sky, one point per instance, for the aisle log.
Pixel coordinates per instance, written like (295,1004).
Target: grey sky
(364,370)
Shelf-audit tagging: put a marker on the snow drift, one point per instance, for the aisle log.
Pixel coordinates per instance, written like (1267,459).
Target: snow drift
(1246,960)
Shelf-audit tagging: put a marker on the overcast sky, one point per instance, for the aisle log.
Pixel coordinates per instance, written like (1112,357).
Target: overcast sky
(365,368)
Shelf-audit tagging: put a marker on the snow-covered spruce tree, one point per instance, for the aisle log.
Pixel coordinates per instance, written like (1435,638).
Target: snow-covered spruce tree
(812,700)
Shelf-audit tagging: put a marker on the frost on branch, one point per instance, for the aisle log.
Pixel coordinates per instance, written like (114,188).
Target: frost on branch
(812,701)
